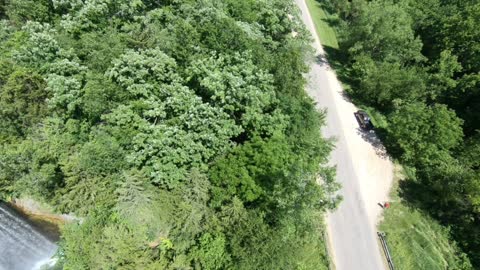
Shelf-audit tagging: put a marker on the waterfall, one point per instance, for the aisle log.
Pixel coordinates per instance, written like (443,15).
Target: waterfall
(22,247)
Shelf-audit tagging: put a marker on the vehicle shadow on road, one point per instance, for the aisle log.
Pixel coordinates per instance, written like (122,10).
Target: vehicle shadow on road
(371,137)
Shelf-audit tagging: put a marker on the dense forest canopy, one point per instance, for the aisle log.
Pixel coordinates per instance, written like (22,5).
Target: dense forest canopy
(418,64)
(177,129)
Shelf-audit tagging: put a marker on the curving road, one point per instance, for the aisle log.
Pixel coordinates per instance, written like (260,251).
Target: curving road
(363,169)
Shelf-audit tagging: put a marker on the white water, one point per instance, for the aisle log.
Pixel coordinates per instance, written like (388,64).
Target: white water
(47,262)
(22,247)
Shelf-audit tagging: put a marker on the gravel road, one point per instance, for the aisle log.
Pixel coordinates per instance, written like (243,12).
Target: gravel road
(363,169)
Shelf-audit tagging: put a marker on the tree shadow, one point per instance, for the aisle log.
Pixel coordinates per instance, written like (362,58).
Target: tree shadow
(413,193)
(348,97)
(326,6)
(420,196)
(321,59)
(337,59)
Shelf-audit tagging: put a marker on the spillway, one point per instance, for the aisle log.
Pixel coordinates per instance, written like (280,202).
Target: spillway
(22,246)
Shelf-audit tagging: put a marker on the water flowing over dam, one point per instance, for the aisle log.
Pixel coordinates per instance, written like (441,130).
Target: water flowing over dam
(22,247)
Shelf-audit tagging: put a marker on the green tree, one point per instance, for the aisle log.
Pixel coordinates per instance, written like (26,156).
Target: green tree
(386,85)
(443,81)
(459,33)
(424,133)
(23,97)
(65,81)
(40,46)
(241,89)
(383,31)
(20,11)
(211,253)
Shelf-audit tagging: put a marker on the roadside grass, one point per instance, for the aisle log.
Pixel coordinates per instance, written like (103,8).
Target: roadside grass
(415,240)
(324,30)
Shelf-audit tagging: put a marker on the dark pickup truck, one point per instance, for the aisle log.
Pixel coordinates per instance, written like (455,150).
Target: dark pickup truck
(363,120)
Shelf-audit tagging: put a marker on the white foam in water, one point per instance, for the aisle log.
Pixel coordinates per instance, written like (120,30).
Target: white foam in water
(22,247)
(47,262)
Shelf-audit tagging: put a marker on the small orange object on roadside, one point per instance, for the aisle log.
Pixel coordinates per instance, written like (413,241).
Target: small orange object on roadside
(386,205)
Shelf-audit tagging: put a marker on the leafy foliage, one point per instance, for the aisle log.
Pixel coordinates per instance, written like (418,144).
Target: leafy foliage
(424,133)
(23,96)
(382,30)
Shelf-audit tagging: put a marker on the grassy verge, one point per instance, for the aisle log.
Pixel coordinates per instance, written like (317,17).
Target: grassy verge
(324,31)
(415,240)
